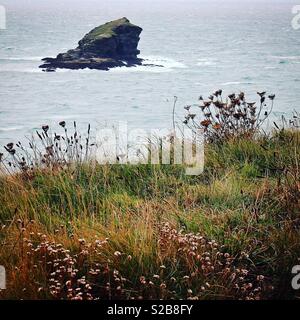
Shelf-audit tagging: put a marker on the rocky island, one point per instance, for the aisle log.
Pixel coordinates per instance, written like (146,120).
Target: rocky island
(113,44)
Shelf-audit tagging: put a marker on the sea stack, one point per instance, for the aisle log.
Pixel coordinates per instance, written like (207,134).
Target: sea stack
(113,44)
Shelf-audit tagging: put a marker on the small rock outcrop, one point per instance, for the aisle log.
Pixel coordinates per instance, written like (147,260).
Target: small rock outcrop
(113,44)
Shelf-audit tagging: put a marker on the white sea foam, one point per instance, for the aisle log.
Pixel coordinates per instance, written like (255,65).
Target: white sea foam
(11,129)
(20,64)
(21,70)
(165,62)
(70,70)
(206,62)
(232,83)
(56,117)
(21,58)
(270,68)
(286,57)
(153,64)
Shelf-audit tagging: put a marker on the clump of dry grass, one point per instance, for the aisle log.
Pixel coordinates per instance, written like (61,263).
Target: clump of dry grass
(234,117)
(47,149)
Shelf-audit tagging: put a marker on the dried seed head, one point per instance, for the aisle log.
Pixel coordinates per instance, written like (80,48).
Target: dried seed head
(117,253)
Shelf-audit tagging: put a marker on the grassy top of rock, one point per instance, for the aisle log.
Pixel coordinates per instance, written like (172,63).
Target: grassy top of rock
(108,29)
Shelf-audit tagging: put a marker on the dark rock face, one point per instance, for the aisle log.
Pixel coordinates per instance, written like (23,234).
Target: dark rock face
(113,44)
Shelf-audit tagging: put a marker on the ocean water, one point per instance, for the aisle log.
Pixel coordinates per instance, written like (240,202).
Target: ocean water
(202,45)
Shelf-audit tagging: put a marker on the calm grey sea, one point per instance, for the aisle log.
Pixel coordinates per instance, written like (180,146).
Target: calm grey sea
(203,46)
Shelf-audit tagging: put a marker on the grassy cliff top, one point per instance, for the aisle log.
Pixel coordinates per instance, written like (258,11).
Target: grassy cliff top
(230,233)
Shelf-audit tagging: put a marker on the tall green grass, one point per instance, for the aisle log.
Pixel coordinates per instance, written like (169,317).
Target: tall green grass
(247,200)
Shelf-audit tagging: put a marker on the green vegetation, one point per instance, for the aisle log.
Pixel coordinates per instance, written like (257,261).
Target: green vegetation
(106,30)
(149,231)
